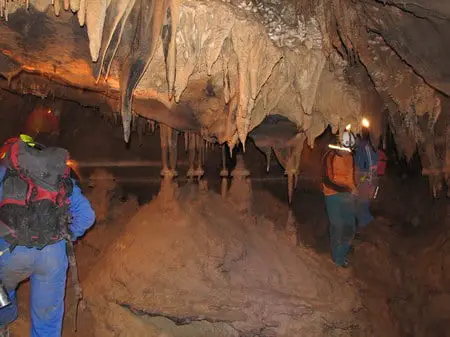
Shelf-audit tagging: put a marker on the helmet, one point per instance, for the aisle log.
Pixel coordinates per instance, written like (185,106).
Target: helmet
(348,139)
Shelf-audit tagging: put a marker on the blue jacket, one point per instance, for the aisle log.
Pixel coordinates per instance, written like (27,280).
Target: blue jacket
(83,216)
(366,158)
(47,269)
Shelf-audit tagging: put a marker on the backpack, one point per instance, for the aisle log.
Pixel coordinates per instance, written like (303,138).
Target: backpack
(382,163)
(366,159)
(36,190)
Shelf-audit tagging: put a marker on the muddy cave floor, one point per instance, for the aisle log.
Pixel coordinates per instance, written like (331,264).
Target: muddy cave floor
(404,228)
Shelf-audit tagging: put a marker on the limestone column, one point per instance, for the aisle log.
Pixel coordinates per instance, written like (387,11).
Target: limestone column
(199,143)
(191,149)
(163,134)
(173,150)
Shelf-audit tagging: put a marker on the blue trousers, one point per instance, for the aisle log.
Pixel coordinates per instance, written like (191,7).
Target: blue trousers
(342,217)
(47,270)
(364,214)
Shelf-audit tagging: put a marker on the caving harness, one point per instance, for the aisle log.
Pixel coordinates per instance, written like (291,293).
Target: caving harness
(34,210)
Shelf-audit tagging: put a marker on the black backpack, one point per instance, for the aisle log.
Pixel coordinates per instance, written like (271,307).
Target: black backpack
(34,210)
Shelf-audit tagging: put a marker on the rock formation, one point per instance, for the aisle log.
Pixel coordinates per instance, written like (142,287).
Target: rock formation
(202,270)
(220,68)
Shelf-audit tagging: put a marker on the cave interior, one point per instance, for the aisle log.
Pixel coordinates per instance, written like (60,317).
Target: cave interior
(197,130)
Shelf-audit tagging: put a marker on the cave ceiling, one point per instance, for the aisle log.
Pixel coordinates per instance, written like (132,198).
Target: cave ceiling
(221,68)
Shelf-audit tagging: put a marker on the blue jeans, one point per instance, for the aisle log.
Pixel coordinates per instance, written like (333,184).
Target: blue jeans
(341,214)
(47,270)
(366,190)
(364,214)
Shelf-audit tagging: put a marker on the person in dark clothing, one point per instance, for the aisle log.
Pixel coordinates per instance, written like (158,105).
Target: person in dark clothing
(45,266)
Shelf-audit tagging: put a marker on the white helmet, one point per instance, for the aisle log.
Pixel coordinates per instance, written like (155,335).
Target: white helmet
(348,139)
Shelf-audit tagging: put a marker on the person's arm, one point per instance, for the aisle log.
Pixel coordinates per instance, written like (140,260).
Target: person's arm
(328,176)
(2,175)
(83,216)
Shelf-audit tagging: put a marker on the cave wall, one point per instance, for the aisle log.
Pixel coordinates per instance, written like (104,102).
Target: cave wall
(220,68)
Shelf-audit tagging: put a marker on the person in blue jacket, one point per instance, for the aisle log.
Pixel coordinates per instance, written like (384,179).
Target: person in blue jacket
(366,160)
(47,270)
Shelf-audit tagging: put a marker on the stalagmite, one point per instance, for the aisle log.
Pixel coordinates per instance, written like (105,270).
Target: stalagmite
(240,192)
(102,183)
(291,227)
(224,172)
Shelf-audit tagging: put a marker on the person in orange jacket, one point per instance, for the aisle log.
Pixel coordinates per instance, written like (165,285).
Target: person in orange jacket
(339,189)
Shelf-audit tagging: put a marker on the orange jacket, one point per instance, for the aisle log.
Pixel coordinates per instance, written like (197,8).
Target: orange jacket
(338,173)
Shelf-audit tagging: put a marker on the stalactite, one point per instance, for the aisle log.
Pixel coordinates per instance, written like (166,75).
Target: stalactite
(268,154)
(291,172)
(66,5)
(134,117)
(57,7)
(74,5)
(152,125)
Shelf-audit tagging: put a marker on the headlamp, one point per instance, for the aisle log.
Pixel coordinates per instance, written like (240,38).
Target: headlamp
(365,122)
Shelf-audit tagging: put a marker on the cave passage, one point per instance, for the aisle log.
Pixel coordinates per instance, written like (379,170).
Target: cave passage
(246,235)
(210,139)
